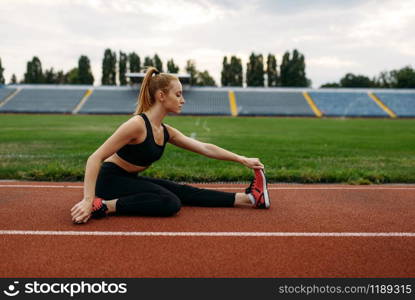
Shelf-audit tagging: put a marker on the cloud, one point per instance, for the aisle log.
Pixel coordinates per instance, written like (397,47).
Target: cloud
(330,62)
(335,36)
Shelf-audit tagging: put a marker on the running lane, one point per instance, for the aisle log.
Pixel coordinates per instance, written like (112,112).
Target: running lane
(34,206)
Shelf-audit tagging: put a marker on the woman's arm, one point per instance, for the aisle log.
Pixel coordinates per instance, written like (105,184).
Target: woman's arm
(209,150)
(123,135)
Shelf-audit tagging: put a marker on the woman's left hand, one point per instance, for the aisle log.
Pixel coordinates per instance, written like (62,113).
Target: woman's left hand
(253,163)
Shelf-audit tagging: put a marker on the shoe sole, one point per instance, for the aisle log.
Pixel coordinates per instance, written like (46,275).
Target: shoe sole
(266,197)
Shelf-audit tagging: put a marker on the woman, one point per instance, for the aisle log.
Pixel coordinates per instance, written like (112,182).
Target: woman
(112,170)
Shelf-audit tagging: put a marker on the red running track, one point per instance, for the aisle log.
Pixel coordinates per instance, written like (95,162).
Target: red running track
(45,206)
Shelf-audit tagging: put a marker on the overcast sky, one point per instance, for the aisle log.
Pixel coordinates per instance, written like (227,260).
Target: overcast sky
(335,36)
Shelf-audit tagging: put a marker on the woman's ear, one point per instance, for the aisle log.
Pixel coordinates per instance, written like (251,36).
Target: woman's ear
(161,95)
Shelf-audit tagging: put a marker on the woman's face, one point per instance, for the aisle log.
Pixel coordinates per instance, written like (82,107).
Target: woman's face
(173,101)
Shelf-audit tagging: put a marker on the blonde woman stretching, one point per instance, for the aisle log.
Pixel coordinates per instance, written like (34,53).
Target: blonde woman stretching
(112,170)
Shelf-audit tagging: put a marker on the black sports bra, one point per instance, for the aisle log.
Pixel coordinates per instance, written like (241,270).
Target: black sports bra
(147,152)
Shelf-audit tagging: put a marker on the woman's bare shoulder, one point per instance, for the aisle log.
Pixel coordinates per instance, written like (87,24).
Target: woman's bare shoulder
(136,120)
(133,127)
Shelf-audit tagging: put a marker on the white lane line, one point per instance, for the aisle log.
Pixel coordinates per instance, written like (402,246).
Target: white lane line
(224,188)
(210,234)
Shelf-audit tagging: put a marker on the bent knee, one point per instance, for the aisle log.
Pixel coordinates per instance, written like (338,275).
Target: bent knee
(171,206)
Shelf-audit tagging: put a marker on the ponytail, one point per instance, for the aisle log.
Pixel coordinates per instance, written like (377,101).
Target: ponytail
(149,86)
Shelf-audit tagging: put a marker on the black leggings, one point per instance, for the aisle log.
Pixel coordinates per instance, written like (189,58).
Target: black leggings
(142,195)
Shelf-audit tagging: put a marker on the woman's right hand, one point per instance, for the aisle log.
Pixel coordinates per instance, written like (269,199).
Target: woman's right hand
(81,212)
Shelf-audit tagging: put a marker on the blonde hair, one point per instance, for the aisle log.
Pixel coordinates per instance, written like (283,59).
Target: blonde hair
(150,85)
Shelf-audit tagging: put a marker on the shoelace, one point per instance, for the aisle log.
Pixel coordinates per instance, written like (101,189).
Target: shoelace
(96,206)
(249,189)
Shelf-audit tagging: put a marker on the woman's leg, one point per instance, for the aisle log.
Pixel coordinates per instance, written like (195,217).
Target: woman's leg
(126,194)
(193,196)
(148,204)
(153,200)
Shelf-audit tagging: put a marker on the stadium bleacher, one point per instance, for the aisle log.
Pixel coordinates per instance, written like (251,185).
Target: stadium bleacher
(211,101)
(346,104)
(104,100)
(402,104)
(44,100)
(5,92)
(206,102)
(272,103)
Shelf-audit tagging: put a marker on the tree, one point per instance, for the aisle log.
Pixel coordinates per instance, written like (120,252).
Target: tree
(355,81)
(109,64)
(384,80)
(122,68)
(148,62)
(225,74)
(1,73)
(292,70)
(49,76)
(171,67)
(191,70)
(13,80)
(34,71)
(198,78)
(272,73)
(134,62)
(204,79)
(60,77)
(235,72)
(255,70)
(135,65)
(404,78)
(401,78)
(285,71)
(231,74)
(72,76)
(158,63)
(330,85)
(299,69)
(84,71)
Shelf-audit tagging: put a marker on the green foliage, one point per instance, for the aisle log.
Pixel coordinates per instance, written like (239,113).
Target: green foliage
(204,79)
(198,78)
(231,74)
(50,76)
(135,62)
(272,73)
(401,78)
(84,71)
(158,64)
(148,62)
(61,77)
(224,78)
(34,72)
(384,80)
(135,65)
(122,63)
(359,81)
(72,76)
(255,70)
(191,70)
(1,73)
(404,78)
(13,80)
(172,67)
(109,64)
(330,85)
(292,70)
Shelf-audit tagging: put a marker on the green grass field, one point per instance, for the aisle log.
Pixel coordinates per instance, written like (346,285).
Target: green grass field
(305,150)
